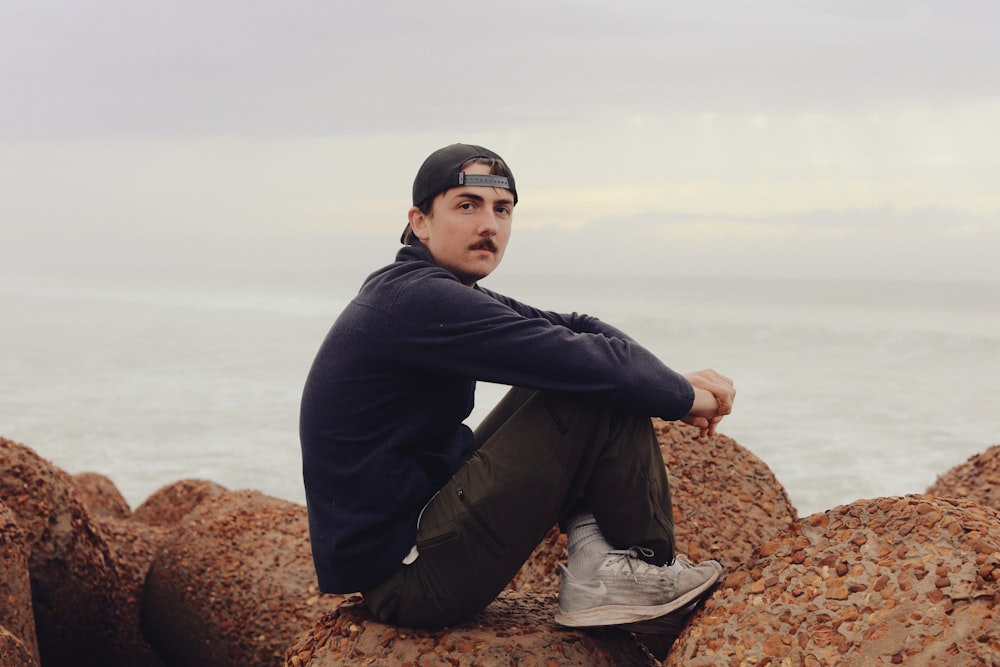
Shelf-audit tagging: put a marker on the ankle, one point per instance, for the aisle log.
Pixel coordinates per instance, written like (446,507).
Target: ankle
(586,545)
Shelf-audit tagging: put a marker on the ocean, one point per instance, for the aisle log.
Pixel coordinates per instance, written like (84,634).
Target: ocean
(846,390)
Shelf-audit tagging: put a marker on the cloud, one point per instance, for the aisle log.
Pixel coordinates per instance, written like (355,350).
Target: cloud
(646,136)
(111,67)
(877,243)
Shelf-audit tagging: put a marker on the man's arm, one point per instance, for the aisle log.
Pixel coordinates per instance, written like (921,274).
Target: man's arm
(714,392)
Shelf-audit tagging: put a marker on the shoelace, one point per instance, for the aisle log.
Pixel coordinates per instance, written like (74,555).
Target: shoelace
(631,557)
(636,565)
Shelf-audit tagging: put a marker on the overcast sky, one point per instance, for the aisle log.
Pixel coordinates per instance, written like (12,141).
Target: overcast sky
(850,139)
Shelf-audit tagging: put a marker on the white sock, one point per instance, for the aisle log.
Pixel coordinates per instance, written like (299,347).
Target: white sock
(586,544)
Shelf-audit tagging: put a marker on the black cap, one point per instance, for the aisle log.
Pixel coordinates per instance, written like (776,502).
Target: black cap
(442,170)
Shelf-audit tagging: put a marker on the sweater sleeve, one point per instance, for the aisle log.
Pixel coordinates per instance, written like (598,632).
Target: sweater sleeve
(576,322)
(446,327)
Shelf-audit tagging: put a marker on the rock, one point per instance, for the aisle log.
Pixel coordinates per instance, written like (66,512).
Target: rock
(978,480)
(84,600)
(726,500)
(169,505)
(101,496)
(904,580)
(234,584)
(13,652)
(134,546)
(516,629)
(539,572)
(15,589)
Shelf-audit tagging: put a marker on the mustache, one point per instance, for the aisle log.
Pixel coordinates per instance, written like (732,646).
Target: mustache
(485,244)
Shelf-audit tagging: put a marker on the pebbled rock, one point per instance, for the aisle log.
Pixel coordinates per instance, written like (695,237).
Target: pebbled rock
(234,584)
(909,580)
(13,652)
(539,572)
(516,629)
(84,600)
(726,500)
(101,496)
(977,479)
(170,504)
(15,588)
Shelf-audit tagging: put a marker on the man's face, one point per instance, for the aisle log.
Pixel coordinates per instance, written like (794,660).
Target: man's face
(468,228)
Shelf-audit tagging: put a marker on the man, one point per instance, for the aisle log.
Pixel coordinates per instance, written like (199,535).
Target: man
(430,520)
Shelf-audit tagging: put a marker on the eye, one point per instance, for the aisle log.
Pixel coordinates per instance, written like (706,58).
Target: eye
(503,210)
(466,206)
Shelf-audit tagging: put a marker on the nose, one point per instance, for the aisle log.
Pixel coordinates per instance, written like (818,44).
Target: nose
(488,225)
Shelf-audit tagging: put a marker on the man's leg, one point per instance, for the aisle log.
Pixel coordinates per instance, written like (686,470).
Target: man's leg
(541,456)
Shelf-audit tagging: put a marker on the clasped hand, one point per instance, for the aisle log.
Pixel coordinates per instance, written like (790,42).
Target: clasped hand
(713,399)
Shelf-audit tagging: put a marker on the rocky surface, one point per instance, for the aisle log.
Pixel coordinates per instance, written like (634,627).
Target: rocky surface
(13,652)
(84,599)
(517,629)
(894,581)
(101,496)
(539,573)
(15,589)
(170,504)
(726,500)
(222,577)
(234,585)
(977,479)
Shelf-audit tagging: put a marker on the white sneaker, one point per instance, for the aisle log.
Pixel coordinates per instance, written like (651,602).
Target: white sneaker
(627,590)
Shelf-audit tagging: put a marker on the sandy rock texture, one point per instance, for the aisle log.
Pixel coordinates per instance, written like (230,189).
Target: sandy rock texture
(234,585)
(909,580)
(170,504)
(135,543)
(726,500)
(15,589)
(516,629)
(84,597)
(539,572)
(13,652)
(101,496)
(977,479)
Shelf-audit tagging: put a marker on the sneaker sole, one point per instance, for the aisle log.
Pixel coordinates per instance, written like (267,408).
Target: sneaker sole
(617,614)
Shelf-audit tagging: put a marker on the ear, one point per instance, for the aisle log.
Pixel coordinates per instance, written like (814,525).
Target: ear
(418,223)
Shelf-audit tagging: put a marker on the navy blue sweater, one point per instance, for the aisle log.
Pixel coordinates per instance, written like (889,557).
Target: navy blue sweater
(381,421)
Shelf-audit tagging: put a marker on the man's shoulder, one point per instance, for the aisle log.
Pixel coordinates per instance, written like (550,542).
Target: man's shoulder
(409,279)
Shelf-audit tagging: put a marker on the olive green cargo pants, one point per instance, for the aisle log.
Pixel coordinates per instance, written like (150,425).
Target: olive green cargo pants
(541,457)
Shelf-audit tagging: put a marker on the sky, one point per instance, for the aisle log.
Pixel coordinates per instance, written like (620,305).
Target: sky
(802,139)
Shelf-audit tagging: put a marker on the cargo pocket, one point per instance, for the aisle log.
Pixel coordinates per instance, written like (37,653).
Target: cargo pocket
(480,523)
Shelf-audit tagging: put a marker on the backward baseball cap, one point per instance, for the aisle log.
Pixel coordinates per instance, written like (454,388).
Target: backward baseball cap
(442,170)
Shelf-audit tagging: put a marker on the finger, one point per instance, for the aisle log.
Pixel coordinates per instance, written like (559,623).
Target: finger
(697,422)
(719,377)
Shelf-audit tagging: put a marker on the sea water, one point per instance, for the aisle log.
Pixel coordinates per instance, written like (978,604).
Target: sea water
(845,390)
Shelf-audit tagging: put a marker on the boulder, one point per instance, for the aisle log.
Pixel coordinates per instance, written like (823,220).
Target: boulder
(516,629)
(539,572)
(978,480)
(170,504)
(84,599)
(15,589)
(101,496)
(234,584)
(726,500)
(904,580)
(13,652)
